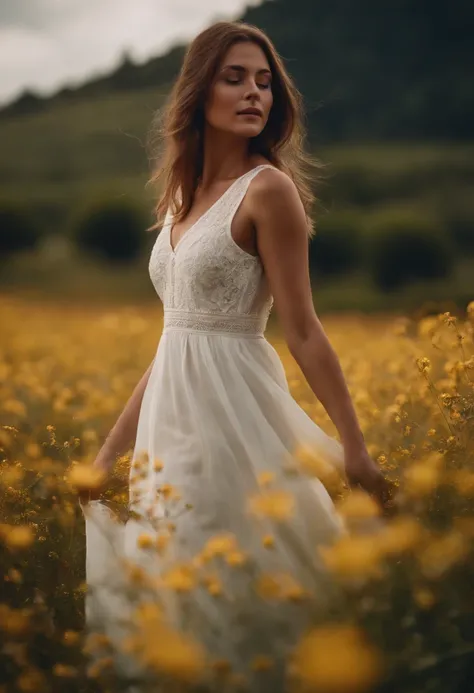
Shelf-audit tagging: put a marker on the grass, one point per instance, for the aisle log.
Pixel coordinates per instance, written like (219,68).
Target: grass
(61,273)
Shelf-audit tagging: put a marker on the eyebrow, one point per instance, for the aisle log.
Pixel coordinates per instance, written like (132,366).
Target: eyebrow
(241,68)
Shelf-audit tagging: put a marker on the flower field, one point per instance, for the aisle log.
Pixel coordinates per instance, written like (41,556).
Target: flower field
(403,619)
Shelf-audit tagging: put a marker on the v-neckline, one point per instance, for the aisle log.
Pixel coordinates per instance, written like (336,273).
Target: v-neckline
(204,214)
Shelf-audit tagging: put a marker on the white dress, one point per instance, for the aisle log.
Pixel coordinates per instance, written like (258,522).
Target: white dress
(217,413)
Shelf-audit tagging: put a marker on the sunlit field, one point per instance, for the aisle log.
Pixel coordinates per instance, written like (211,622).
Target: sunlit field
(403,619)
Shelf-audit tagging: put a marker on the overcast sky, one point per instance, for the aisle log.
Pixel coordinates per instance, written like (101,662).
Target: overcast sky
(45,44)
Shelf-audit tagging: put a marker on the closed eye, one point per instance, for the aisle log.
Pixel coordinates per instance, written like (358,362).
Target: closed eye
(237,81)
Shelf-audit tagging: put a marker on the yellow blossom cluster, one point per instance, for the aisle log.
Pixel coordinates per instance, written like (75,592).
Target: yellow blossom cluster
(64,377)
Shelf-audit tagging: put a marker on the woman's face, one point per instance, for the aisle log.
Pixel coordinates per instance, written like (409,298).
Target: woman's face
(242,81)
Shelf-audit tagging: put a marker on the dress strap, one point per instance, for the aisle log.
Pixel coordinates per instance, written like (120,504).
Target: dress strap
(240,190)
(232,197)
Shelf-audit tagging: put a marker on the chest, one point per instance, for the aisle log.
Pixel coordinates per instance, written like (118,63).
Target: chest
(242,229)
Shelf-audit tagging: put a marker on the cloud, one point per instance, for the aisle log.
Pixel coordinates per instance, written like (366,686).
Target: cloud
(34,14)
(48,43)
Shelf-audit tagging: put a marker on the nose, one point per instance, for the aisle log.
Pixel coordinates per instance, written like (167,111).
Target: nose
(252,89)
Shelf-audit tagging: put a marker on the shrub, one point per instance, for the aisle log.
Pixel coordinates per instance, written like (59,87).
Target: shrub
(351,184)
(460,223)
(405,244)
(111,229)
(18,230)
(335,248)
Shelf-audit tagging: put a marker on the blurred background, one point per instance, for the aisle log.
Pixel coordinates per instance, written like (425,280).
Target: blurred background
(389,111)
(388,90)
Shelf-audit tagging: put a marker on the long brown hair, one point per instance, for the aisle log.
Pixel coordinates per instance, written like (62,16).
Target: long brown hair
(177,159)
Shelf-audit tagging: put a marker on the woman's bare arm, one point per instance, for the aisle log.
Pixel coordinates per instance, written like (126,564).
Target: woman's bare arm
(282,241)
(123,433)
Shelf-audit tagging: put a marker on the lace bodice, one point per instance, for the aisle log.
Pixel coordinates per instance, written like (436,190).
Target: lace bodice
(208,275)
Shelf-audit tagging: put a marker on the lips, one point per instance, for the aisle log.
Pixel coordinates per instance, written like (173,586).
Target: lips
(250,111)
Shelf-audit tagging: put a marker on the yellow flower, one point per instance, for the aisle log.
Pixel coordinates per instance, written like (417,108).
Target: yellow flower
(268,541)
(31,681)
(280,586)
(463,481)
(64,671)
(212,584)
(14,575)
(215,589)
(144,457)
(83,477)
(11,476)
(180,578)
(358,505)
(311,462)
(336,659)
(95,669)
(14,406)
(136,574)
(427,326)
(158,465)
(16,622)
(236,558)
(276,504)
(89,435)
(161,542)
(447,318)
(353,557)
(265,479)
(95,642)
(267,586)
(71,637)
(18,537)
(401,534)
(424,598)
(400,327)
(169,492)
(292,591)
(145,541)
(168,652)
(33,450)
(442,553)
(148,612)
(421,479)
(220,544)
(424,364)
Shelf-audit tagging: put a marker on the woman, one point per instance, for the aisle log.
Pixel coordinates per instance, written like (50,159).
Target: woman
(213,420)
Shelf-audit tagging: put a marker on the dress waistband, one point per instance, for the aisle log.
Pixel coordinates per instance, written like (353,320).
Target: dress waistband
(214,323)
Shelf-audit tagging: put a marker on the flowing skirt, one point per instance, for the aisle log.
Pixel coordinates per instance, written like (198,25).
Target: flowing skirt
(224,524)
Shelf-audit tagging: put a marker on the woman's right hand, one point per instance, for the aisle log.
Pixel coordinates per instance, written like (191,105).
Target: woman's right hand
(363,472)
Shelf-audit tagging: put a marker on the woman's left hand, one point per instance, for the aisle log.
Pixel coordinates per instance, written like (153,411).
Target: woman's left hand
(363,472)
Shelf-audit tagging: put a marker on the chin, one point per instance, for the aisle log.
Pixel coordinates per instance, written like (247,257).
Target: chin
(249,130)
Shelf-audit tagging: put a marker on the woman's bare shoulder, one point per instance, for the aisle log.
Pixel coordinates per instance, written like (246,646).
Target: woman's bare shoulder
(271,181)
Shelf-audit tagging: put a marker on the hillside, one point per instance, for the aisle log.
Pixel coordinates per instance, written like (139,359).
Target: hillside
(367,70)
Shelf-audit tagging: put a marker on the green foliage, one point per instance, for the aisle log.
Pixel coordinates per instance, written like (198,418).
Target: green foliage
(405,244)
(111,229)
(368,175)
(335,249)
(459,220)
(18,230)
